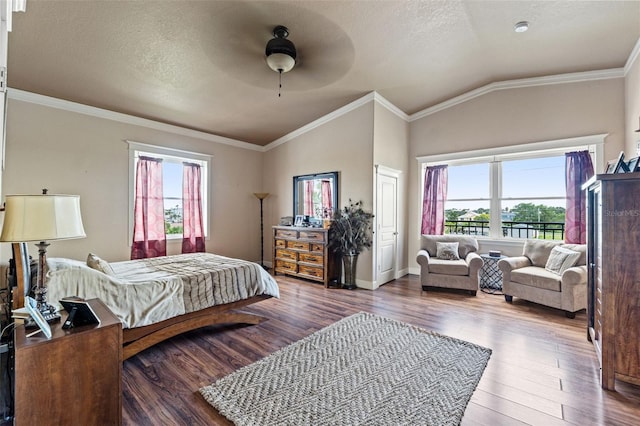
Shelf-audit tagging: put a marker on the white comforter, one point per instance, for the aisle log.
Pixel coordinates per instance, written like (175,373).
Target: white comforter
(142,292)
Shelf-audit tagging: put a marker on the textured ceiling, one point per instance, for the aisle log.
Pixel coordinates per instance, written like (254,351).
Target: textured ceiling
(200,64)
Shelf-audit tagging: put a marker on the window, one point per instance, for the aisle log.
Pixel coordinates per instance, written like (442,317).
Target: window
(502,194)
(467,209)
(172,170)
(533,198)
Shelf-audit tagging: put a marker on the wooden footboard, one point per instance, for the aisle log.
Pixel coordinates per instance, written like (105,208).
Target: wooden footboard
(140,338)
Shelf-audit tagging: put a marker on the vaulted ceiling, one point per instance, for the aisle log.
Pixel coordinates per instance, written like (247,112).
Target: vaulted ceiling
(201,65)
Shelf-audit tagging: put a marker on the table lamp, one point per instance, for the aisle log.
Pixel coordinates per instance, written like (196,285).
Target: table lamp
(42,218)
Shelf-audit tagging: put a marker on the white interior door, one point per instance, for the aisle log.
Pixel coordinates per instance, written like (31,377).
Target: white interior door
(387,227)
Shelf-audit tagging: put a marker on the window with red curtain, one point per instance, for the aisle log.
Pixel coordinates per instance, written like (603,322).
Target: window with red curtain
(578,169)
(435,195)
(149,238)
(193,229)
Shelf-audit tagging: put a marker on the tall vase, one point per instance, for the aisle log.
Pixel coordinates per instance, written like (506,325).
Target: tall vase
(349,262)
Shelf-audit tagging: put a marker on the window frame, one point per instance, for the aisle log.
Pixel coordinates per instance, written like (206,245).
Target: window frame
(494,157)
(173,155)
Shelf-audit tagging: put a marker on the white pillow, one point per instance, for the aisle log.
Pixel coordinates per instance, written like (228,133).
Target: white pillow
(560,259)
(447,251)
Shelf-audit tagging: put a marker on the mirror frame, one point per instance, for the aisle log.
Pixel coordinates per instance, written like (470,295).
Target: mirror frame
(302,178)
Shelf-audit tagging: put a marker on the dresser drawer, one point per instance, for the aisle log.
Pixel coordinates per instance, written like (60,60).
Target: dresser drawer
(281,243)
(297,245)
(312,235)
(286,233)
(317,247)
(286,254)
(282,265)
(311,258)
(316,272)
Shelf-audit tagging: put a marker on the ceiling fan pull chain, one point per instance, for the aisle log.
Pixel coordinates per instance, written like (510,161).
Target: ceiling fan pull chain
(279,82)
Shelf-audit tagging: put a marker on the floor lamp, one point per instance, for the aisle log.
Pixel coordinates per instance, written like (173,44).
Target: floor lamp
(42,218)
(261,196)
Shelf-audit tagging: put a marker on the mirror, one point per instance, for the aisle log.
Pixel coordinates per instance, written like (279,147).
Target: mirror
(315,197)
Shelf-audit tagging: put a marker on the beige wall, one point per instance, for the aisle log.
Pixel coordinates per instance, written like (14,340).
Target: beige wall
(391,149)
(512,117)
(345,145)
(73,153)
(632,108)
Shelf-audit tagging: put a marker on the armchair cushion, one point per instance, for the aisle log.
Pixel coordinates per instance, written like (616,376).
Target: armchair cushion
(534,276)
(447,251)
(465,244)
(538,251)
(448,267)
(561,259)
(580,248)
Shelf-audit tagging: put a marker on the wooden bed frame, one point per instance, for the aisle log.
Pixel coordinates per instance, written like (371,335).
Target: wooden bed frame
(140,338)
(135,340)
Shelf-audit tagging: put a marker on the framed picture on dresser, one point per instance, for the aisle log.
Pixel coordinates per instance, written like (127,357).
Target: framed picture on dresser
(621,165)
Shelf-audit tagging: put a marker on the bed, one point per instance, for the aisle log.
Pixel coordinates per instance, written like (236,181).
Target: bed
(159,298)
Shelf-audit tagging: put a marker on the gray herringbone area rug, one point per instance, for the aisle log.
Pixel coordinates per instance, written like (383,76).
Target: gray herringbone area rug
(362,370)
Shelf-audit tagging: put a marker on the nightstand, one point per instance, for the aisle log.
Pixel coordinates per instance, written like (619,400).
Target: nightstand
(73,378)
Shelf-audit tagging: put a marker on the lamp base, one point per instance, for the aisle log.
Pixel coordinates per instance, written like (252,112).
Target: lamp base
(41,290)
(41,298)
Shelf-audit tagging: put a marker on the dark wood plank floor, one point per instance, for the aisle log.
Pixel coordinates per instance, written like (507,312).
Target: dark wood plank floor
(543,371)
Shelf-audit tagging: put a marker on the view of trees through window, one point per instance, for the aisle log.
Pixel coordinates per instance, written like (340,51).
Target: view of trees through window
(528,197)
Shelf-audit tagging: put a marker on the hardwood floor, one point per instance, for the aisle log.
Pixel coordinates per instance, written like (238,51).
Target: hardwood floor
(543,371)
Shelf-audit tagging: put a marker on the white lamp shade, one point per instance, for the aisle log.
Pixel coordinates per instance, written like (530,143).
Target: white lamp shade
(280,62)
(41,218)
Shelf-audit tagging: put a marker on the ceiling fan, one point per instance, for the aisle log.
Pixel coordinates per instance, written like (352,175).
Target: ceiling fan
(322,54)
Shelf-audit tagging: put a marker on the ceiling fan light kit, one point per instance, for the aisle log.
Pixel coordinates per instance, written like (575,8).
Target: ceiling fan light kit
(521,26)
(281,53)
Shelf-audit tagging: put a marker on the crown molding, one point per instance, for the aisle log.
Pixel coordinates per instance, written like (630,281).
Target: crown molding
(575,77)
(34,98)
(391,107)
(48,101)
(372,96)
(632,57)
(322,120)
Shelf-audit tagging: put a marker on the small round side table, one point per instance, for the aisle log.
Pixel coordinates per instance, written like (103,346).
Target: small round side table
(490,275)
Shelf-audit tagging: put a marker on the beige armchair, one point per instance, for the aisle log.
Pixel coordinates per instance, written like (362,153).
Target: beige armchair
(458,274)
(526,277)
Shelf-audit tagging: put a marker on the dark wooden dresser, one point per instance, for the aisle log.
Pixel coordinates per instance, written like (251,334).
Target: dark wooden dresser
(613,259)
(303,252)
(74,378)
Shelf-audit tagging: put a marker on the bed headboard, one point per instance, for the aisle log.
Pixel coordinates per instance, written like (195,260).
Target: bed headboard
(21,274)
